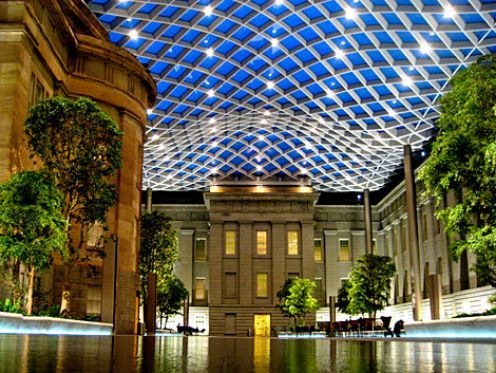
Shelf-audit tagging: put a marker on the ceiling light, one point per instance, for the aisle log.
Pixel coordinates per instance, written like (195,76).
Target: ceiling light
(133,34)
(270,85)
(263,121)
(261,138)
(350,13)
(154,137)
(407,81)
(161,147)
(214,170)
(330,93)
(212,120)
(339,53)
(149,111)
(209,52)
(266,113)
(278,2)
(449,12)
(425,47)
(274,42)
(391,112)
(208,10)
(211,93)
(322,120)
(259,168)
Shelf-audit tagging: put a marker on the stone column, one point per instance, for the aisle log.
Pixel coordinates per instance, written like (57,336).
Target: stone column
(149,200)
(367,221)
(245,264)
(411,210)
(278,257)
(436,296)
(307,262)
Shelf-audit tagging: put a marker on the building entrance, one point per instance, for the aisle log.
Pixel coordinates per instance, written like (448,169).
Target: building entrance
(262,325)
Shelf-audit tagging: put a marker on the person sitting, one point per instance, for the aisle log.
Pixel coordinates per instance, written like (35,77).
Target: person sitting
(386,321)
(398,327)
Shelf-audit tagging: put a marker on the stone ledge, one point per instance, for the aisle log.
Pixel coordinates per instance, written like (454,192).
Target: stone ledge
(480,327)
(18,324)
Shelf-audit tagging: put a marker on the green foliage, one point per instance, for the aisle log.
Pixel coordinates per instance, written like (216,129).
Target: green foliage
(11,306)
(296,299)
(343,300)
(370,284)
(52,311)
(171,292)
(32,227)
(80,145)
(158,248)
(463,159)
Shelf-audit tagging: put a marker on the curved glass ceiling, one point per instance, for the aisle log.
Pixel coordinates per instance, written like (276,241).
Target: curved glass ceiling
(327,91)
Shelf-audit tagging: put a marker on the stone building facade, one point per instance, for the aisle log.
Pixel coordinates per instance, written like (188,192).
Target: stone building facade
(331,237)
(50,48)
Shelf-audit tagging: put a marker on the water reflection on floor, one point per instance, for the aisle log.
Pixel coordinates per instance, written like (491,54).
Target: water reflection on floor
(218,354)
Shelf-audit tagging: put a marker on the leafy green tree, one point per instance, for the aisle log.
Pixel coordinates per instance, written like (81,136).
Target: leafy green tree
(463,160)
(171,292)
(296,299)
(370,284)
(343,300)
(80,146)
(32,227)
(158,250)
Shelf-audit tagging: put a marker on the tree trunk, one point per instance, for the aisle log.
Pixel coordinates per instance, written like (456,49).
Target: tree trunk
(65,301)
(29,304)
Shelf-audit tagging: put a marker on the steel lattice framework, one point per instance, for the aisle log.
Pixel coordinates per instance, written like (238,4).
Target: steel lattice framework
(323,90)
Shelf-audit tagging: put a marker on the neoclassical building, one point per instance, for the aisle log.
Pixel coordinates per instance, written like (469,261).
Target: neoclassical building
(51,48)
(239,243)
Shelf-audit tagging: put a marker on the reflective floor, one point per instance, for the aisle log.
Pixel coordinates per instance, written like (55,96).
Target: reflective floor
(36,353)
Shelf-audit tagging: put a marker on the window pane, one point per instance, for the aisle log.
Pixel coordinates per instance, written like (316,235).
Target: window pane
(318,292)
(201,252)
(262,284)
(261,242)
(200,288)
(344,250)
(317,250)
(292,242)
(93,300)
(230,243)
(230,285)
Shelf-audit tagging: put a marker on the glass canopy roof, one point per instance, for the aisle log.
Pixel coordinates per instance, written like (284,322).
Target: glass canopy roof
(325,90)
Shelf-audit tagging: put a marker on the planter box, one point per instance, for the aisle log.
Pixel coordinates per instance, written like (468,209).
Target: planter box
(19,324)
(480,327)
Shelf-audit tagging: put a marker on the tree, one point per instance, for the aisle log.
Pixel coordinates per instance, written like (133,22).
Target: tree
(370,284)
(463,160)
(32,227)
(80,146)
(296,299)
(343,298)
(158,250)
(171,292)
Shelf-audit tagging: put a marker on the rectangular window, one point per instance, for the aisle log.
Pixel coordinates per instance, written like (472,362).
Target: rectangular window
(262,285)
(318,291)
(93,300)
(344,250)
(261,242)
(292,242)
(317,251)
(200,288)
(230,285)
(230,243)
(201,249)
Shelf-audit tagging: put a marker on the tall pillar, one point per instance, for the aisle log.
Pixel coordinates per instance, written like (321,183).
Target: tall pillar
(149,200)
(245,263)
(367,221)
(436,296)
(411,211)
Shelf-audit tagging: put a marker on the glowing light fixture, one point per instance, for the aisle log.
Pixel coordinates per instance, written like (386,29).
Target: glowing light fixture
(270,85)
(133,34)
(279,2)
(274,42)
(155,137)
(208,10)
(266,113)
(149,111)
(211,93)
(263,121)
(339,54)
(407,81)
(449,12)
(209,52)
(425,48)
(212,121)
(350,13)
